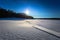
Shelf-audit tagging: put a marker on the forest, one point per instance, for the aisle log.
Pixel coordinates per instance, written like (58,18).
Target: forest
(4,13)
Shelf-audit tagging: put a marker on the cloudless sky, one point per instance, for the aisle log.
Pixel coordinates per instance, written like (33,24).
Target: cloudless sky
(37,8)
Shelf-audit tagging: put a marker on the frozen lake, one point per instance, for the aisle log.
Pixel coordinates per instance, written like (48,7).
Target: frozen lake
(50,24)
(21,30)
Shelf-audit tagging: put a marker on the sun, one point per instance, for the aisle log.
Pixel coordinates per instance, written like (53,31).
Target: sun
(27,11)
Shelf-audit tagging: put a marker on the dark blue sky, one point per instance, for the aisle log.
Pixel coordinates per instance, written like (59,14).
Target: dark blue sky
(38,8)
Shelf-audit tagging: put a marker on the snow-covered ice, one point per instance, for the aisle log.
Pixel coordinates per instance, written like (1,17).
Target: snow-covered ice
(50,24)
(22,30)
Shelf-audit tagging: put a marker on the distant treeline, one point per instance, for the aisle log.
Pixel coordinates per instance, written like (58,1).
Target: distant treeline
(48,18)
(4,13)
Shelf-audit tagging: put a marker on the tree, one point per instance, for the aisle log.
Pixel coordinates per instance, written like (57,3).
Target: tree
(9,14)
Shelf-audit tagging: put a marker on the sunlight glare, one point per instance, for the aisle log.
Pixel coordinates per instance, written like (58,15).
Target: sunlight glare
(27,11)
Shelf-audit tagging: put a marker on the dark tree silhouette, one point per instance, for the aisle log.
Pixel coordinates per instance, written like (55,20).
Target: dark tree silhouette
(11,14)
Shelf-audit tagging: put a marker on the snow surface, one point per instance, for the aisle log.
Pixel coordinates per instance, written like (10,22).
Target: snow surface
(50,24)
(21,30)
